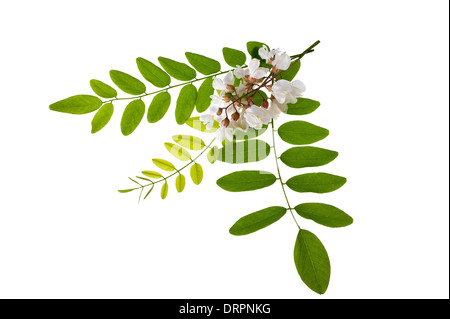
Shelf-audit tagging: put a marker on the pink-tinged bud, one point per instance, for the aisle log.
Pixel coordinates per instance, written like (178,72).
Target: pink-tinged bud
(225,122)
(219,112)
(253,80)
(230,88)
(275,69)
(235,116)
(269,87)
(265,104)
(246,107)
(272,97)
(226,98)
(247,78)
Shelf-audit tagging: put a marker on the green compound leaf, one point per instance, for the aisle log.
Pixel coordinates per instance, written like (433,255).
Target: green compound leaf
(213,155)
(307,156)
(189,141)
(257,220)
(290,73)
(312,262)
(197,173)
(324,214)
(315,183)
(180,183)
(243,181)
(234,57)
(185,103)
(77,104)
(195,123)
(127,83)
(163,164)
(152,73)
(152,174)
(102,89)
(132,116)
(102,117)
(204,95)
(164,190)
(158,107)
(243,152)
(203,64)
(301,132)
(303,106)
(177,70)
(178,152)
(250,133)
(253,47)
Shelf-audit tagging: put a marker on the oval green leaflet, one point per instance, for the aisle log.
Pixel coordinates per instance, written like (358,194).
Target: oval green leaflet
(177,70)
(315,183)
(158,107)
(302,106)
(197,124)
(102,117)
(127,83)
(204,95)
(178,151)
(185,103)
(301,133)
(77,104)
(312,262)
(213,155)
(149,191)
(152,174)
(164,190)
(102,89)
(180,183)
(234,57)
(324,214)
(307,156)
(189,141)
(246,181)
(243,152)
(152,73)
(163,164)
(203,64)
(132,116)
(196,173)
(257,220)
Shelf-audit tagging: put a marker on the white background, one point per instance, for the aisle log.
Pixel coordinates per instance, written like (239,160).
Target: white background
(381,74)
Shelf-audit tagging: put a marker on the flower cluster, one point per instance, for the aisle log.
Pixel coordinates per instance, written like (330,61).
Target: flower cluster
(243,101)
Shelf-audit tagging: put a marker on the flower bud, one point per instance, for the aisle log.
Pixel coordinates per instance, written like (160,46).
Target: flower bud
(219,112)
(226,98)
(235,116)
(249,100)
(225,122)
(230,88)
(249,87)
(265,104)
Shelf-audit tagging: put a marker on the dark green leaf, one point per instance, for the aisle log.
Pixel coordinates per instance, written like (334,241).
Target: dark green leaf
(195,123)
(253,47)
(180,183)
(301,132)
(158,107)
(259,97)
(190,142)
(102,117)
(257,220)
(185,103)
(178,70)
(203,64)
(315,183)
(77,104)
(244,152)
(324,214)
(234,57)
(102,89)
(178,151)
(312,262)
(127,83)
(302,106)
(307,156)
(132,116)
(246,181)
(290,73)
(196,173)
(152,73)
(204,95)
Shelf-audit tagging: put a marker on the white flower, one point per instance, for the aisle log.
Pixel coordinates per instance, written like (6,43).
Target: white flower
(255,71)
(287,92)
(224,133)
(220,84)
(240,124)
(282,61)
(240,72)
(257,116)
(266,54)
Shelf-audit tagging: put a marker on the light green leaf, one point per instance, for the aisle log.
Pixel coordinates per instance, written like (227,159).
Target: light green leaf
(195,123)
(204,95)
(324,214)
(213,155)
(143,178)
(290,73)
(149,191)
(126,190)
(257,220)
(158,107)
(246,181)
(163,164)
(164,190)
(250,133)
(178,151)
(203,64)
(102,89)
(127,83)
(152,73)
(301,132)
(234,57)
(244,152)
(253,47)
(307,156)
(185,103)
(197,173)
(102,117)
(152,174)
(315,183)
(303,106)
(178,70)
(190,142)
(312,262)
(180,182)
(132,116)
(77,104)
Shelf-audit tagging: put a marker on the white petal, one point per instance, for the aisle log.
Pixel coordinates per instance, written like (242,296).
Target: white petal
(263,53)
(218,84)
(239,72)
(259,73)
(228,79)
(253,65)
(299,86)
